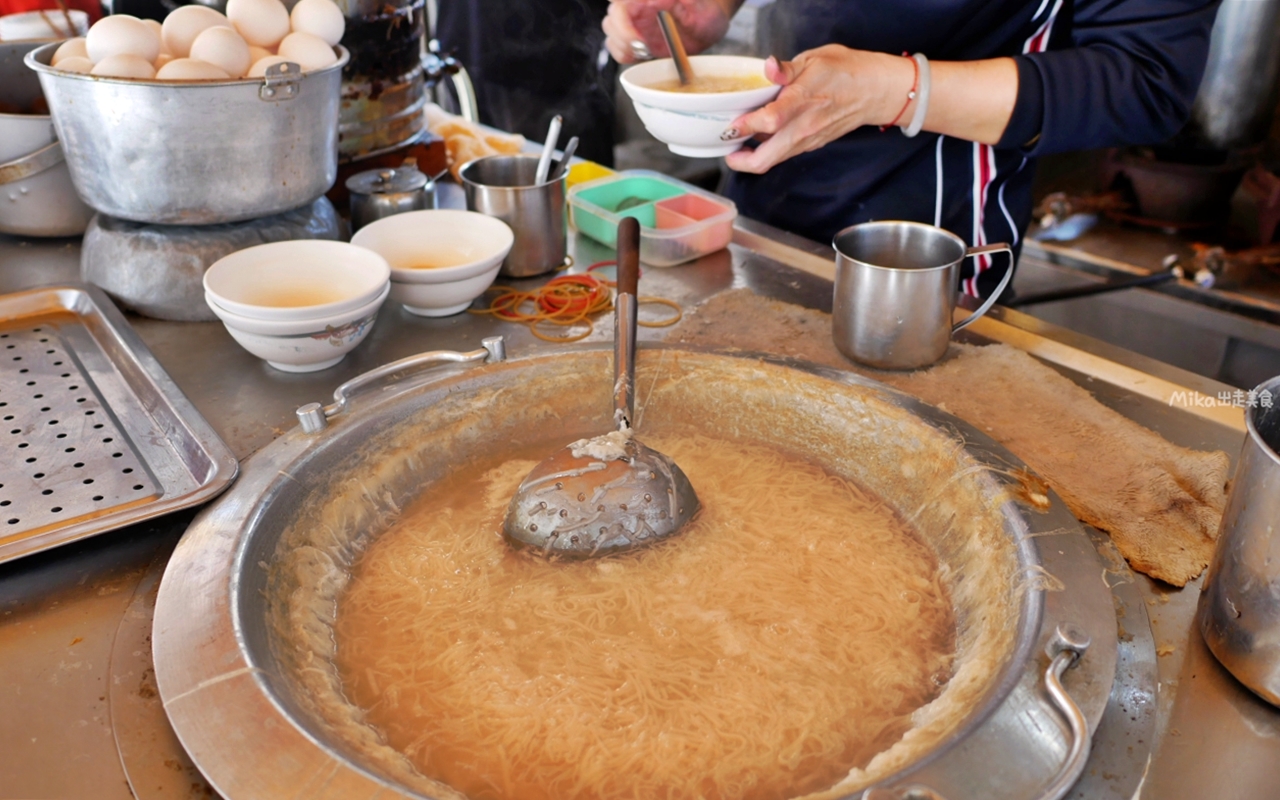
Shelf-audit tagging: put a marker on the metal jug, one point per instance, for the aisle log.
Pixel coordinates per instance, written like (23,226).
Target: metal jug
(895,291)
(1239,611)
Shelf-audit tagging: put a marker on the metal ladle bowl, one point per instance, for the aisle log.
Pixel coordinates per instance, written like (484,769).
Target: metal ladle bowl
(611,493)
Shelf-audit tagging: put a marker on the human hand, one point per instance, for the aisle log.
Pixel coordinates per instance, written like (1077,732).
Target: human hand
(702,23)
(826,93)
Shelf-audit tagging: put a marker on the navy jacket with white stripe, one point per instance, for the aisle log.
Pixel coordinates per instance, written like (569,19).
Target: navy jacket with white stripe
(1092,73)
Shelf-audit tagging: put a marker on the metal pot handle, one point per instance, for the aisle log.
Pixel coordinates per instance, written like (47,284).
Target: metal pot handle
(314,418)
(32,163)
(280,82)
(990,301)
(1065,648)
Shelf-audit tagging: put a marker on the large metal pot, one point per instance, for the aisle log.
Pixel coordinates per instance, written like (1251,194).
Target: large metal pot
(36,195)
(196,154)
(257,704)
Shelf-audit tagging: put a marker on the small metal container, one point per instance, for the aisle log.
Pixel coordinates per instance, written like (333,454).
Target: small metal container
(1239,611)
(503,187)
(895,291)
(196,153)
(379,193)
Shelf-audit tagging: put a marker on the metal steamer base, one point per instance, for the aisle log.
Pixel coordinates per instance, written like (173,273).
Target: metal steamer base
(228,701)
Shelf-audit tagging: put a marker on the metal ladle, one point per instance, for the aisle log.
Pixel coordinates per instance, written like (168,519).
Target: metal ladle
(611,493)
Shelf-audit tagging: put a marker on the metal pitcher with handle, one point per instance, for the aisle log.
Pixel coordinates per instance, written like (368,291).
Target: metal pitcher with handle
(895,290)
(1239,611)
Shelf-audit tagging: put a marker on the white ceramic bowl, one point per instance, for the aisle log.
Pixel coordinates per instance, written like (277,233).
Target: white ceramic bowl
(691,123)
(305,279)
(302,345)
(473,244)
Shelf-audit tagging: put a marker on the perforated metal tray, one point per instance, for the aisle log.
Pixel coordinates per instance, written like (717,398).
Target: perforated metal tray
(93,434)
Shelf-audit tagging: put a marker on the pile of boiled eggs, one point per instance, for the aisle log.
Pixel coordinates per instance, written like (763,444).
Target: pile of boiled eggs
(197,43)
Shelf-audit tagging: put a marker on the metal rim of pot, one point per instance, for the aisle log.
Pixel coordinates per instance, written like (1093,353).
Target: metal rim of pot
(212,683)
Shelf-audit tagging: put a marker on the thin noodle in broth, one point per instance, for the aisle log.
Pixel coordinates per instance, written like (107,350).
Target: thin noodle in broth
(783,639)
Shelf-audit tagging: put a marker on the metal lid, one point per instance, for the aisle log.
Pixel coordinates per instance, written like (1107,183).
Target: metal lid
(405,178)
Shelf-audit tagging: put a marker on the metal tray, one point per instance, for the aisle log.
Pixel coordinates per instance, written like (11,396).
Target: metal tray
(93,434)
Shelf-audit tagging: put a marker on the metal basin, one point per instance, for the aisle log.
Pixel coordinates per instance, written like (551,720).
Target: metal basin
(196,153)
(259,707)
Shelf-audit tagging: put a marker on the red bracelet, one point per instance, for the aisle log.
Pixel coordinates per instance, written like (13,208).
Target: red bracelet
(911,95)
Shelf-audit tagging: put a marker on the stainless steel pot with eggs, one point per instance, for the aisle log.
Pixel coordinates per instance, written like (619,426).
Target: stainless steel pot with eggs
(203,119)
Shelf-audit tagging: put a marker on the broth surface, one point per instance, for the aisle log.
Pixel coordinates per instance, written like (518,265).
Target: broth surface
(784,638)
(712,84)
(294,296)
(441,257)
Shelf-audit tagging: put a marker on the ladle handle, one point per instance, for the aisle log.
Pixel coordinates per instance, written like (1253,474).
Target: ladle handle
(624,322)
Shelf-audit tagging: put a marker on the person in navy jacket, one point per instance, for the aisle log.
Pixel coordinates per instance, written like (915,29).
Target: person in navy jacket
(1010,80)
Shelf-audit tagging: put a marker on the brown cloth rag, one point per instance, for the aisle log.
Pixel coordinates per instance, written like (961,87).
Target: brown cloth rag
(1160,503)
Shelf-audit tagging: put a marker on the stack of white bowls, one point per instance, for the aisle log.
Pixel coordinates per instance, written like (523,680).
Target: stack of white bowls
(299,305)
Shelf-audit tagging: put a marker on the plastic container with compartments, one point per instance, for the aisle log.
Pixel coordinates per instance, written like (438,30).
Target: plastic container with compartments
(678,222)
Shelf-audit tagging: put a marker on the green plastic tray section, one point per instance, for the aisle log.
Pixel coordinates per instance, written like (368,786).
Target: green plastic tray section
(626,197)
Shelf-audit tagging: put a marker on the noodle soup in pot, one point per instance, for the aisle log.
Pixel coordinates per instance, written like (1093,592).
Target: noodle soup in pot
(783,639)
(829,618)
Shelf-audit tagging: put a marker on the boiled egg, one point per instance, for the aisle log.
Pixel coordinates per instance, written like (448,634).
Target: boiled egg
(158,30)
(124,66)
(320,18)
(185,23)
(307,51)
(256,53)
(260,22)
(225,49)
(71,48)
(75,64)
(191,69)
(119,35)
(259,68)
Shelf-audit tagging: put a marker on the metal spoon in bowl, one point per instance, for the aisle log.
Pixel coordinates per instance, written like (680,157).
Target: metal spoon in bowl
(610,493)
(672,35)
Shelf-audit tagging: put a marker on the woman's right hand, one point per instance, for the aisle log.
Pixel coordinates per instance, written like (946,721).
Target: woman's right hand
(702,23)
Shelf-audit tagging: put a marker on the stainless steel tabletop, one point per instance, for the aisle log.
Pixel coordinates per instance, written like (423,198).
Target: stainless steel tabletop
(79,715)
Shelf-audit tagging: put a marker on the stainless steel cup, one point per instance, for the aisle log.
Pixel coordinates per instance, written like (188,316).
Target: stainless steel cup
(895,291)
(503,187)
(1239,611)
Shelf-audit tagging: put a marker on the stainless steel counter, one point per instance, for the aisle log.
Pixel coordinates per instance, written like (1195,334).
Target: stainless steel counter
(79,715)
